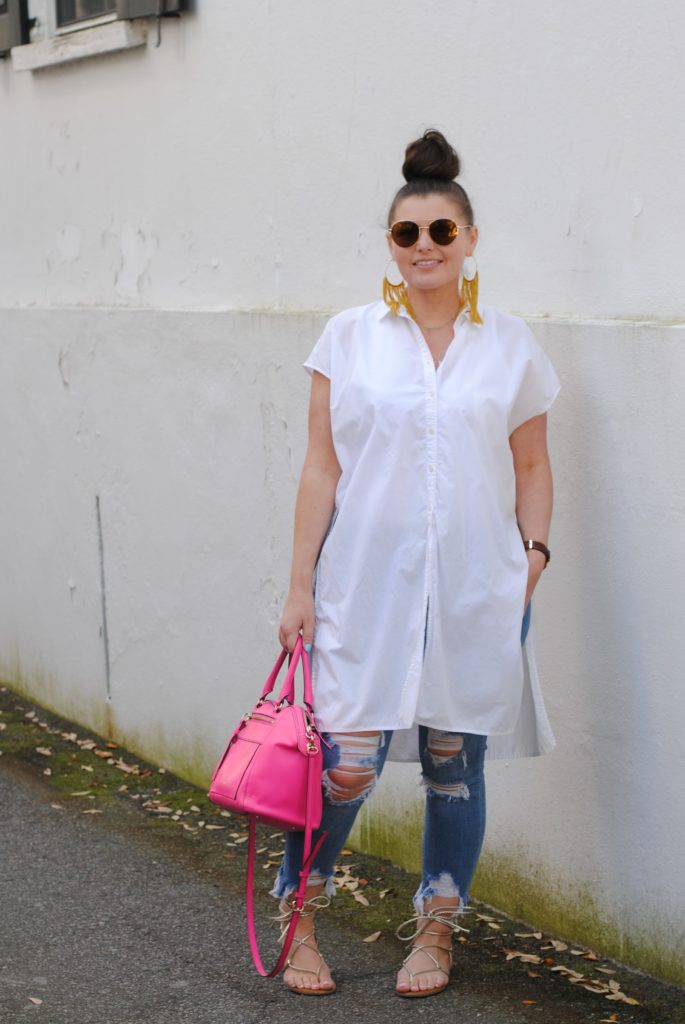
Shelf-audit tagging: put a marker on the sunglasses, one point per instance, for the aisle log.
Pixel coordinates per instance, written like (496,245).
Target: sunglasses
(405,233)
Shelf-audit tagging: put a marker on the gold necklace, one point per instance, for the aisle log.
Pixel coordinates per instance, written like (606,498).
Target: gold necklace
(430,327)
(437,327)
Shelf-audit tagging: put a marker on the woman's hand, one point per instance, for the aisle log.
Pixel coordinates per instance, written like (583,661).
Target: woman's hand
(536,563)
(298,615)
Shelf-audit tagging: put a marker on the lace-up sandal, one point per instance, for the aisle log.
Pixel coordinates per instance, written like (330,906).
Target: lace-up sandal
(309,908)
(441,915)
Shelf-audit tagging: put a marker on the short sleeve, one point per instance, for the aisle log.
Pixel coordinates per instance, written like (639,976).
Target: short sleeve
(320,356)
(538,384)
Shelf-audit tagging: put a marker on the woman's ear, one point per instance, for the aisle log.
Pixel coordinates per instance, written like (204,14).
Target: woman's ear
(473,241)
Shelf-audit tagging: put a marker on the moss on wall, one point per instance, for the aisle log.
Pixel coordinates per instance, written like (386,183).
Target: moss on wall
(514,882)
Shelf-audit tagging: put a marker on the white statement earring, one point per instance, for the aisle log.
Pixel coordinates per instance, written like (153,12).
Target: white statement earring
(469,268)
(469,288)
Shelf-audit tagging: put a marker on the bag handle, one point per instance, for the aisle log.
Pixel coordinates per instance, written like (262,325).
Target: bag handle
(288,689)
(308,856)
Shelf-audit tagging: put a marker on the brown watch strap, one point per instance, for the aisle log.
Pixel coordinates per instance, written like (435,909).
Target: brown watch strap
(537,545)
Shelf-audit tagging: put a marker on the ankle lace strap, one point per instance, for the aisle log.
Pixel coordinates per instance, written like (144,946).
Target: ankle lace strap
(309,907)
(441,915)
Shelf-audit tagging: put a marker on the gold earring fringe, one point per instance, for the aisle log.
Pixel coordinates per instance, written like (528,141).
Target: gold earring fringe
(395,296)
(469,297)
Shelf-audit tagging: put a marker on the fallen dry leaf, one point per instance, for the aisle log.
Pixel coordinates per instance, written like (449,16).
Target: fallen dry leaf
(492,924)
(528,1002)
(346,853)
(622,997)
(86,744)
(82,792)
(372,937)
(3,725)
(556,945)
(214,828)
(47,771)
(386,892)
(533,974)
(58,807)
(360,898)
(92,810)
(35,1000)
(45,751)
(605,970)
(528,935)
(101,753)
(609,1020)
(112,746)
(86,768)
(526,958)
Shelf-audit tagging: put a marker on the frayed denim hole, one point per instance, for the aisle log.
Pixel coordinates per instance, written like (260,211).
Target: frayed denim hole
(358,761)
(444,747)
(451,791)
(443,886)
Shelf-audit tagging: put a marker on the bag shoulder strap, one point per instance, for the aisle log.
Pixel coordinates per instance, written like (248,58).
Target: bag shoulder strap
(308,856)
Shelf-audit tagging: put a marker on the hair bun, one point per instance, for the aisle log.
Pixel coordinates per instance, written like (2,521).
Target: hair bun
(432,157)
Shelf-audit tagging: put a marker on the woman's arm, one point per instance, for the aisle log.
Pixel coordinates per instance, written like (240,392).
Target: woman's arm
(313,510)
(533,490)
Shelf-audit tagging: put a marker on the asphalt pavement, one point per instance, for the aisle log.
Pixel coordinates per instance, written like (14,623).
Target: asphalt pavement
(105,924)
(109,916)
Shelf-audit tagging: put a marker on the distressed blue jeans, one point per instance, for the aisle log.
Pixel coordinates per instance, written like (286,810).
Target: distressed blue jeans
(454,825)
(452,769)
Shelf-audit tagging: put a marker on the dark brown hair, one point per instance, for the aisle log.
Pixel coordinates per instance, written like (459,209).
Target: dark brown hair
(430,167)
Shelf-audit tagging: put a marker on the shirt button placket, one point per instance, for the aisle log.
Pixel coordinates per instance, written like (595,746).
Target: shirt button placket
(431,440)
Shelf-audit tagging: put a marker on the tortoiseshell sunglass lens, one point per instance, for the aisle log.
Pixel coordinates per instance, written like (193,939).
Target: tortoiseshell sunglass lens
(405,233)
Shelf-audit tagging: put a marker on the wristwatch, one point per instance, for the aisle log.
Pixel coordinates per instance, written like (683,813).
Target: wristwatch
(537,545)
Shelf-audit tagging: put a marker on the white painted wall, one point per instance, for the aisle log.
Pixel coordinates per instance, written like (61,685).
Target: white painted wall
(152,201)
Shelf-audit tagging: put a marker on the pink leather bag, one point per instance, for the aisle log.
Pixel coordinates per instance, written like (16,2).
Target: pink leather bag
(271,772)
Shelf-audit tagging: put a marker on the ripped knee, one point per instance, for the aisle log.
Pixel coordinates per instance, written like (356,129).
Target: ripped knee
(352,779)
(443,747)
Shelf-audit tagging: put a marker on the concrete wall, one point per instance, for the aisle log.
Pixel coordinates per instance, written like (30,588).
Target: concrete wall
(175,222)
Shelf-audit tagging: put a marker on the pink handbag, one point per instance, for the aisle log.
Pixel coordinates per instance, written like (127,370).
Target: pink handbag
(271,771)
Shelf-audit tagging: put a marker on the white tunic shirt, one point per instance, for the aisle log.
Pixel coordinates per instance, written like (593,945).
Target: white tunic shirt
(421,580)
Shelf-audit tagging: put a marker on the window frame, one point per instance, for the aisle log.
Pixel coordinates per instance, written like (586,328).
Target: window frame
(51,44)
(14,26)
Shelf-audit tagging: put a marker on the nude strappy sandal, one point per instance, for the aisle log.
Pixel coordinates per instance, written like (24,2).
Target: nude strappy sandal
(441,915)
(309,907)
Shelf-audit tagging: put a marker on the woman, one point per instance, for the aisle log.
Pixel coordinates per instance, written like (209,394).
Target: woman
(426,468)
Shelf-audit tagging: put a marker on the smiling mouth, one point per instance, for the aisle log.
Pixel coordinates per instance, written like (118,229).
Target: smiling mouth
(427,263)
